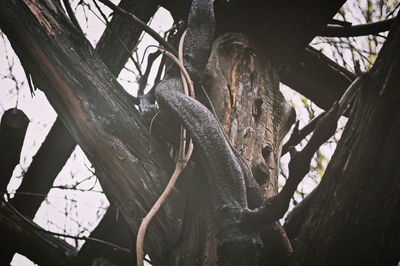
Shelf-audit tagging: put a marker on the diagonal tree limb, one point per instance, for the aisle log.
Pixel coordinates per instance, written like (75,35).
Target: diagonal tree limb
(299,165)
(59,144)
(42,248)
(357,30)
(87,97)
(298,135)
(317,77)
(141,25)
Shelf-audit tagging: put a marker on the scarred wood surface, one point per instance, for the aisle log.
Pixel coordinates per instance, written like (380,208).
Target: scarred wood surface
(245,93)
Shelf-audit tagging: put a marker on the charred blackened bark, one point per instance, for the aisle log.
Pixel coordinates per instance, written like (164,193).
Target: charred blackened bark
(81,89)
(13,127)
(352,217)
(113,48)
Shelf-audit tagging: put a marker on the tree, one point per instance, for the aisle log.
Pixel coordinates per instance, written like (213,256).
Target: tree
(225,206)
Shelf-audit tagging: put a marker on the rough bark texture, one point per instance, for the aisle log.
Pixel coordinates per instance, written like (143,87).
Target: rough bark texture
(352,217)
(244,92)
(246,98)
(132,168)
(59,144)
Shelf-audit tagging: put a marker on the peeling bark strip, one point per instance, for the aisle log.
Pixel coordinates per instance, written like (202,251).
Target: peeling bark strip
(40,15)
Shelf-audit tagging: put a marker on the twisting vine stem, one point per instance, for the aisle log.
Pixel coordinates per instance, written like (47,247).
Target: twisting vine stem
(182,160)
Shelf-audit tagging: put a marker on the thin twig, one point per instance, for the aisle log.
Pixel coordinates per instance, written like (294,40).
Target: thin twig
(144,78)
(38,228)
(357,30)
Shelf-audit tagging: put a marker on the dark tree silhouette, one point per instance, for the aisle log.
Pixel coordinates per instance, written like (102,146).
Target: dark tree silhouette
(225,207)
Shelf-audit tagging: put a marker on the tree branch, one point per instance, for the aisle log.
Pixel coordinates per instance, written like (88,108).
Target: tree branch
(141,24)
(42,248)
(299,165)
(317,77)
(357,30)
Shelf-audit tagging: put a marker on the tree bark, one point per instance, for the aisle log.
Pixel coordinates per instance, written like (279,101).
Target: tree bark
(13,127)
(317,77)
(114,136)
(133,169)
(352,217)
(244,92)
(283,40)
(281,30)
(59,144)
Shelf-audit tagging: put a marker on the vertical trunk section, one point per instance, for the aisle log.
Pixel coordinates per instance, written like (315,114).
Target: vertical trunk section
(352,218)
(244,93)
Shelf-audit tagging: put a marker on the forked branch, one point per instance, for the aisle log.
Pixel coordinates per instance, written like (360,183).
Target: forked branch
(299,165)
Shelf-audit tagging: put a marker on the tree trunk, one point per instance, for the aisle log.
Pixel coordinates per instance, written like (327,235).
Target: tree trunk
(352,218)
(40,247)
(13,127)
(134,167)
(120,34)
(44,168)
